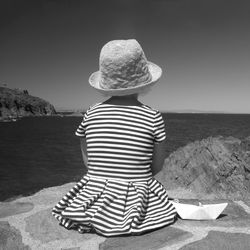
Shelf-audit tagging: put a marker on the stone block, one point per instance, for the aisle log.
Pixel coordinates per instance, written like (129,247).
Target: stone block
(44,227)
(221,241)
(10,238)
(153,240)
(12,208)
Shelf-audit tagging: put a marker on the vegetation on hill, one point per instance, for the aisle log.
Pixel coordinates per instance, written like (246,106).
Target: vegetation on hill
(15,103)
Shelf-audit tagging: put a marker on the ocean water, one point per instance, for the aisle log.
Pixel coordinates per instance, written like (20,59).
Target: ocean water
(43,151)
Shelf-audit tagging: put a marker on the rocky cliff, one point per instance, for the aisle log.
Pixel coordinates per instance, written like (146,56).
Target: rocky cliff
(18,103)
(218,167)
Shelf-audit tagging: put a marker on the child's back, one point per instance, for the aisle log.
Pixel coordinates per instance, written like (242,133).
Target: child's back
(120,140)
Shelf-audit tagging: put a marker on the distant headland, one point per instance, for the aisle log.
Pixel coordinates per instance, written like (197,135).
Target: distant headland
(17,103)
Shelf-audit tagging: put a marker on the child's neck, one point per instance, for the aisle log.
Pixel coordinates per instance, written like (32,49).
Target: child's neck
(124,100)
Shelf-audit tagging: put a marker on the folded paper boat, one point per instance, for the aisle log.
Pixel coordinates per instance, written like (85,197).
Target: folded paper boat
(201,212)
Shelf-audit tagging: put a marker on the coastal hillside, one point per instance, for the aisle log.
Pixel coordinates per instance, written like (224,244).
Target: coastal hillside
(216,167)
(18,103)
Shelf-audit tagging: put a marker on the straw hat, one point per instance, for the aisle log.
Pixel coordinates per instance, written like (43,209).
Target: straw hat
(124,69)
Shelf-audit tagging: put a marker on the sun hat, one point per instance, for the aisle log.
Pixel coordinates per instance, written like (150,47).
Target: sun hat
(124,69)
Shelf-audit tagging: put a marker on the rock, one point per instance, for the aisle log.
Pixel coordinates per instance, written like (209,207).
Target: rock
(42,226)
(154,240)
(71,248)
(12,208)
(10,238)
(216,166)
(247,202)
(18,103)
(222,241)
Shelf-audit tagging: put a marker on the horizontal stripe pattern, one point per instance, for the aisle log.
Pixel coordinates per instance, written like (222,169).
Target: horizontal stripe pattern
(111,207)
(118,195)
(120,140)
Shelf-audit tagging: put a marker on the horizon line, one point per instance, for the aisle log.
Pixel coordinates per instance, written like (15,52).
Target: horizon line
(191,111)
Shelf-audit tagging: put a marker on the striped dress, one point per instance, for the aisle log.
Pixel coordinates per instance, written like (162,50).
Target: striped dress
(118,195)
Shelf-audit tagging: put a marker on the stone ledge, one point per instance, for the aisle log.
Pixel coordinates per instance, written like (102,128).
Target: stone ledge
(221,240)
(30,225)
(154,240)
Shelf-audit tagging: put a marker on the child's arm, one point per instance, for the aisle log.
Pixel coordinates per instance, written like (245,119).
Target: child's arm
(158,157)
(84,151)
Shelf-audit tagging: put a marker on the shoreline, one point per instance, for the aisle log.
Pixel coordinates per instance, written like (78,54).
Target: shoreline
(79,114)
(17,118)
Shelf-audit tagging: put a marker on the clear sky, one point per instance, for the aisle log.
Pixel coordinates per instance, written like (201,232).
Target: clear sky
(50,47)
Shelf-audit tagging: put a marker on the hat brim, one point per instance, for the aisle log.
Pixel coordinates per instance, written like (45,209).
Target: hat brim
(154,70)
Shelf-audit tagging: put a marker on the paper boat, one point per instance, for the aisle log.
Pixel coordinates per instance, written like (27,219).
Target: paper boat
(201,212)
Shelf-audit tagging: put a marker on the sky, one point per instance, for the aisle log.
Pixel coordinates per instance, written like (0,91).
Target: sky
(51,47)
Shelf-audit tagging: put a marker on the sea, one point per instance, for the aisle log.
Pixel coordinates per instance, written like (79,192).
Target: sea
(40,152)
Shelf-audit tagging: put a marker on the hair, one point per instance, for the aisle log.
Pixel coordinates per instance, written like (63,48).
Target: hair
(141,92)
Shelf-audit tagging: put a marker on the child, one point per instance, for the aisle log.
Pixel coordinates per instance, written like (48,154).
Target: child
(125,148)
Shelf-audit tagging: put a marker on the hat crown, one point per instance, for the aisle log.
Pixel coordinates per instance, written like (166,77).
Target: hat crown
(123,64)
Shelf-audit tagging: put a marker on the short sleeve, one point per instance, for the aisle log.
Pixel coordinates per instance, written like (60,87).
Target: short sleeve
(159,128)
(82,127)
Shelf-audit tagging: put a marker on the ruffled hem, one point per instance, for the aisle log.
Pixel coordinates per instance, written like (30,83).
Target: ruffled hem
(112,207)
